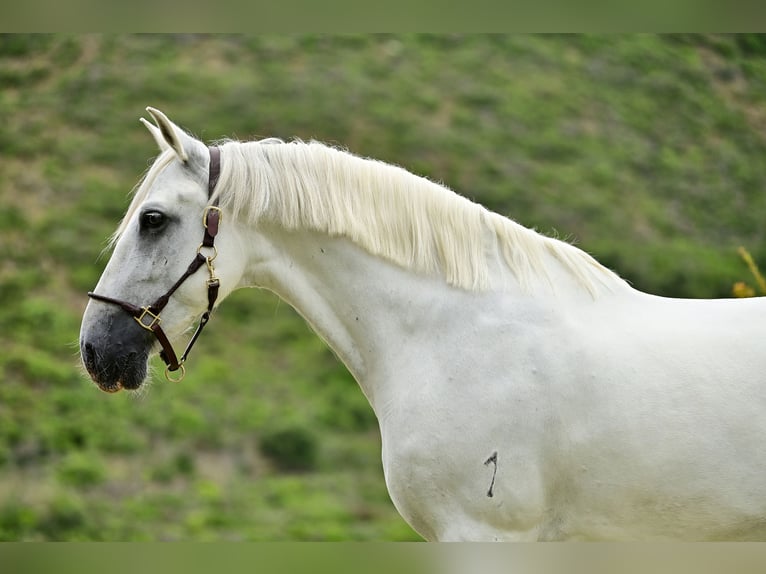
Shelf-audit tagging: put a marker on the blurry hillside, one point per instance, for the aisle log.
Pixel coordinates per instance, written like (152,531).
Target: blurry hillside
(648,152)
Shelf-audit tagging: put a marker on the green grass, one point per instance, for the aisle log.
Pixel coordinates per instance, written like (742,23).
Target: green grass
(648,151)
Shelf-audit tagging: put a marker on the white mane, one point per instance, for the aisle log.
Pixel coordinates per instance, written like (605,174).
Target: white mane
(389,212)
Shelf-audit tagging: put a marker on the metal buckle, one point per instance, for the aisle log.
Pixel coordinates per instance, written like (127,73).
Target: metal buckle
(208,209)
(155,319)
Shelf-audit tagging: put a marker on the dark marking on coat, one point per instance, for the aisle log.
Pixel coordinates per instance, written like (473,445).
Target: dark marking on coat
(492,459)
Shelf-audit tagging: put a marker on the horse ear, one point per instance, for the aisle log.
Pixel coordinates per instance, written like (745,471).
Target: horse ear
(169,135)
(156,134)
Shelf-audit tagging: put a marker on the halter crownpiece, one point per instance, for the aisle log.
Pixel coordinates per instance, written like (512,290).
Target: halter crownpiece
(149,317)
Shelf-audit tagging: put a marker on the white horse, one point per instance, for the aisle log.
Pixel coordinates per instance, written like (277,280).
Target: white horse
(523,391)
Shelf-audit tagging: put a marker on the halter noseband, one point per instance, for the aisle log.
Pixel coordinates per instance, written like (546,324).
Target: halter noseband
(149,317)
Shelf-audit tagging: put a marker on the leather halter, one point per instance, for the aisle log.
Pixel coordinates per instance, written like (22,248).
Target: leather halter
(149,317)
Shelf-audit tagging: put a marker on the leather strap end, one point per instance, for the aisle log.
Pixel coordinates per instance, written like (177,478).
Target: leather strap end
(167,354)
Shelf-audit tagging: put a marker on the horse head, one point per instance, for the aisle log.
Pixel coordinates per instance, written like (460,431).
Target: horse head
(149,293)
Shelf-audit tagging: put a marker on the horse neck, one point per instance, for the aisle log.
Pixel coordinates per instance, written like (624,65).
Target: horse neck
(372,313)
(364,308)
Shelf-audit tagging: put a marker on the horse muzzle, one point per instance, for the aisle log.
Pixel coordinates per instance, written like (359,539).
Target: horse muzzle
(115,352)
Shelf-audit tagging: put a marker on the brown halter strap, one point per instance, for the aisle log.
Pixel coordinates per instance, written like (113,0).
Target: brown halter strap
(149,317)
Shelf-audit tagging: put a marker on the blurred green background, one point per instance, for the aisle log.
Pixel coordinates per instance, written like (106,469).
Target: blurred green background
(649,152)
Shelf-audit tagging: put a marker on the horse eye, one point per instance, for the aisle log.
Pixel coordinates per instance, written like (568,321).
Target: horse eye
(153,220)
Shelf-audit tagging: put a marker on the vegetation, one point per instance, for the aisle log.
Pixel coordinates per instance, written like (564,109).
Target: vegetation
(742,288)
(648,151)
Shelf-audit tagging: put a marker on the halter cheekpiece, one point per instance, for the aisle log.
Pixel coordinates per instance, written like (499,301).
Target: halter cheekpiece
(149,317)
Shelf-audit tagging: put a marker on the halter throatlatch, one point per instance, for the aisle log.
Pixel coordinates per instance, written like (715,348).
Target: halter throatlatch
(149,317)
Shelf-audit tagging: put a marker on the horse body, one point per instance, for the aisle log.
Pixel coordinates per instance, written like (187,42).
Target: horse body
(550,401)
(672,396)
(630,417)
(597,432)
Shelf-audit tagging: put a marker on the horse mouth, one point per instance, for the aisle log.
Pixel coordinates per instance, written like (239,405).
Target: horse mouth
(115,373)
(126,382)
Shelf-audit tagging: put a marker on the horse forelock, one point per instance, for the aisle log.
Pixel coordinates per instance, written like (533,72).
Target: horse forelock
(391,213)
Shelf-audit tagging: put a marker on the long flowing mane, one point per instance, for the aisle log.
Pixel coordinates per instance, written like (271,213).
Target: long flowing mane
(389,212)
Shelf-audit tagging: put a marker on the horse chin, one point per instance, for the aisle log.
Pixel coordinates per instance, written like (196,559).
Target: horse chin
(128,384)
(110,389)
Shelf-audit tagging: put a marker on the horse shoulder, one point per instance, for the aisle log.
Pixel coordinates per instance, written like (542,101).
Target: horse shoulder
(465,441)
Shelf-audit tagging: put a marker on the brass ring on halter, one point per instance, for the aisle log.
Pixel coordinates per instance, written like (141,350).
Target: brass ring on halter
(180,377)
(213,256)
